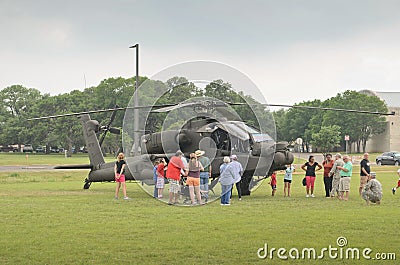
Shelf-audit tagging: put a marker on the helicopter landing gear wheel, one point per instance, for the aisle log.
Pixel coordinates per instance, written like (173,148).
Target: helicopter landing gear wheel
(87,184)
(245,184)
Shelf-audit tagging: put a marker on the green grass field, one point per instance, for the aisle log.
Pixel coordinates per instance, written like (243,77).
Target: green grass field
(47,218)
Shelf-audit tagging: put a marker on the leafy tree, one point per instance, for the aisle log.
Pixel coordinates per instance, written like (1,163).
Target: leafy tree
(17,104)
(280,123)
(297,122)
(327,138)
(360,127)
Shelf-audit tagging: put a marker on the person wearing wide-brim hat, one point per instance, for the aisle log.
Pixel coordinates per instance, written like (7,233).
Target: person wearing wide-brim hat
(205,174)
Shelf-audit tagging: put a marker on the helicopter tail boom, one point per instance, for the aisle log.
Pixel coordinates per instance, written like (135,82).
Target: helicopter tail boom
(90,127)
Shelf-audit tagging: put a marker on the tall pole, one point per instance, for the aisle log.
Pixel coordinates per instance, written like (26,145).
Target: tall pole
(136,137)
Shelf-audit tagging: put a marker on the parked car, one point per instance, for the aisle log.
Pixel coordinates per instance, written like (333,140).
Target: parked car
(54,149)
(40,149)
(388,158)
(83,149)
(8,148)
(27,148)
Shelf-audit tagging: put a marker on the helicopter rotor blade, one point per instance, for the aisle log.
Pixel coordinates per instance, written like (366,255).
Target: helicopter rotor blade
(107,127)
(313,107)
(174,107)
(168,107)
(332,109)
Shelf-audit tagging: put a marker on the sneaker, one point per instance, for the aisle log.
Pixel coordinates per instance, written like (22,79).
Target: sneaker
(228,204)
(116,198)
(394,191)
(312,195)
(127,198)
(307,196)
(222,204)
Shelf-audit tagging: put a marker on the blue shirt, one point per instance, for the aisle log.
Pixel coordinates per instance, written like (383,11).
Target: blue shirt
(288,173)
(349,167)
(227,174)
(238,170)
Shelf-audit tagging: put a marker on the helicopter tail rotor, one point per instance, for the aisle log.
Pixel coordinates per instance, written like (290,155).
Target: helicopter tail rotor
(107,128)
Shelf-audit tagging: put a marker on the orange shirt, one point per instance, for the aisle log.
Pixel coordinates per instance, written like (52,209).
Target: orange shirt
(174,168)
(327,167)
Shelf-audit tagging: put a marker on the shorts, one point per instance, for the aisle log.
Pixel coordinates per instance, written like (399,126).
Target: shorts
(174,186)
(273,187)
(160,183)
(287,180)
(344,184)
(398,183)
(193,181)
(363,181)
(121,178)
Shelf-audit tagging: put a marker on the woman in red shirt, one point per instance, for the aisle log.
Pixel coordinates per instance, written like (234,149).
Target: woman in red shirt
(328,164)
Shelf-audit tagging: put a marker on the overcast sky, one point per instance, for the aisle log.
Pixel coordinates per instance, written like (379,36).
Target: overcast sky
(292,50)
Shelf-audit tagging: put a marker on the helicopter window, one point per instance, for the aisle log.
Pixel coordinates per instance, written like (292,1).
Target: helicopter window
(227,142)
(221,139)
(257,136)
(261,137)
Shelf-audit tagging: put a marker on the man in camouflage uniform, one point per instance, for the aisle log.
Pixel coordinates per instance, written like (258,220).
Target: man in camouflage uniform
(335,172)
(372,191)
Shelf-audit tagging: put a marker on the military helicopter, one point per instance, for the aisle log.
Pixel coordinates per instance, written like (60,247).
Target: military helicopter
(220,137)
(258,152)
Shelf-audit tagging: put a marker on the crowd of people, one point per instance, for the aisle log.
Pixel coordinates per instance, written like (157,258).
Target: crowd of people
(337,177)
(181,174)
(194,175)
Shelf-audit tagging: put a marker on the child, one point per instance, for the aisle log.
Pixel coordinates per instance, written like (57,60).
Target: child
(119,171)
(160,177)
(155,193)
(398,183)
(272,182)
(288,179)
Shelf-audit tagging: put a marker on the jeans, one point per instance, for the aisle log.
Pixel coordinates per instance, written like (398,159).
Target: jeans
(155,194)
(328,186)
(204,178)
(225,193)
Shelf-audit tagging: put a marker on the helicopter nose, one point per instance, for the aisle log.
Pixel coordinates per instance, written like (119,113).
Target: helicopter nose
(282,155)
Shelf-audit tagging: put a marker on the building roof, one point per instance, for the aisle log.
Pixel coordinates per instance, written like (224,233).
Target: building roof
(392,99)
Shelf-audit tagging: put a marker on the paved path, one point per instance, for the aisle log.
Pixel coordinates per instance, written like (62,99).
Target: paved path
(25,168)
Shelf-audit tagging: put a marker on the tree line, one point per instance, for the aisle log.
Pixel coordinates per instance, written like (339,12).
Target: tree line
(324,129)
